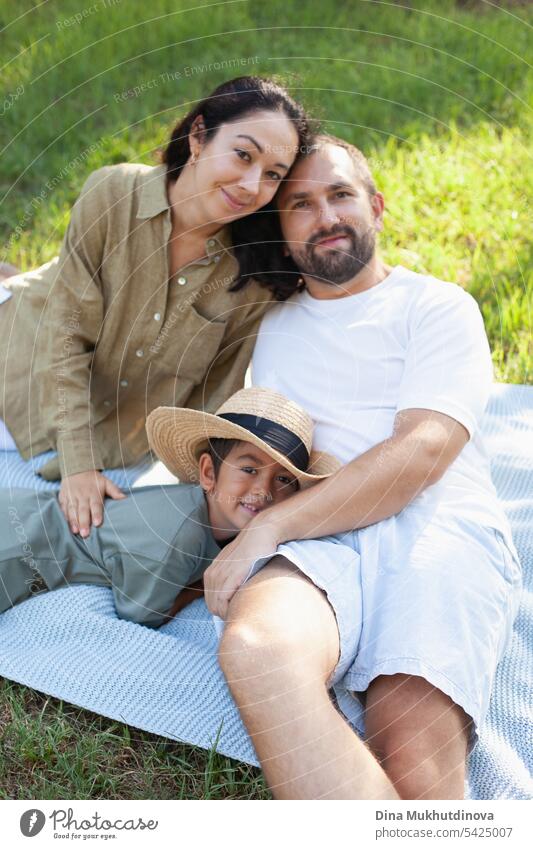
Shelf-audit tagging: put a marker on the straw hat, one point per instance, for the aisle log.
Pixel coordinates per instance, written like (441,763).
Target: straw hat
(279,427)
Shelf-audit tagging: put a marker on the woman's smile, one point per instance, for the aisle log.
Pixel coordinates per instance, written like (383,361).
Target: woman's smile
(232,202)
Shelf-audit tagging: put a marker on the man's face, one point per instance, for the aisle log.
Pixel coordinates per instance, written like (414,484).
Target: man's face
(328,219)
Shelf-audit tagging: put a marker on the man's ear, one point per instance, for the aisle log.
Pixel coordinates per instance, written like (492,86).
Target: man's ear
(377,203)
(197,135)
(206,472)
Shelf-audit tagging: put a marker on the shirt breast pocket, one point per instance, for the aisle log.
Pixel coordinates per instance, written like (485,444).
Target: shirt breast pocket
(188,343)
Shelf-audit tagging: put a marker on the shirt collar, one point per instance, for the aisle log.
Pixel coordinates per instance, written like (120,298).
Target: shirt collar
(153,200)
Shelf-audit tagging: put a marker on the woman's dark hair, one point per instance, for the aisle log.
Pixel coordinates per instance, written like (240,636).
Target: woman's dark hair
(257,240)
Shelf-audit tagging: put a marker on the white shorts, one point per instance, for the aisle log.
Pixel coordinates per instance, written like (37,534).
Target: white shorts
(436,600)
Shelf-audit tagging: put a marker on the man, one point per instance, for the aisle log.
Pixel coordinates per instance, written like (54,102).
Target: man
(408,603)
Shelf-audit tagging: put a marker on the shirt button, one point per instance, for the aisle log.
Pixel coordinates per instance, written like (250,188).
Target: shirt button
(211,243)
(123,382)
(157,316)
(107,403)
(217,258)
(182,281)
(140,352)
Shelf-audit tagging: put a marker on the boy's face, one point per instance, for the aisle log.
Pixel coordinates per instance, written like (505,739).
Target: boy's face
(248,481)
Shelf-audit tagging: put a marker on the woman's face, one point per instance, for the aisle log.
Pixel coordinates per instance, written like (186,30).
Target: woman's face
(240,169)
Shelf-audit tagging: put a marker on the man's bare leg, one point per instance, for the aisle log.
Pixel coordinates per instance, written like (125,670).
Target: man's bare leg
(419,735)
(278,650)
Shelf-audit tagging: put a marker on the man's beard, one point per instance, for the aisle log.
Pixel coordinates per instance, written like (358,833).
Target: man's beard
(336,265)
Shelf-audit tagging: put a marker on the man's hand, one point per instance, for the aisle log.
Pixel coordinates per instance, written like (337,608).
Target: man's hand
(81,498)
(228,571)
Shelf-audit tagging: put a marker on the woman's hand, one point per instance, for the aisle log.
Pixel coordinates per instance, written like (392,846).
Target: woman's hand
(81,498)
(229,569)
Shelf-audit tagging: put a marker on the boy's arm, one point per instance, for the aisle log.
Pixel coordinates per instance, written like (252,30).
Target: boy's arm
(373,487)
(185,597)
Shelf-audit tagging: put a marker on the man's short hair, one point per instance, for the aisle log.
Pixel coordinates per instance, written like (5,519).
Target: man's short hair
(358,158)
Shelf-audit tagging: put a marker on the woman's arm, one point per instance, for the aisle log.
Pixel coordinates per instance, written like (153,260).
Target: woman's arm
(74,315)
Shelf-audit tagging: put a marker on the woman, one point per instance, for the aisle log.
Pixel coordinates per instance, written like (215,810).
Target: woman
(151,301)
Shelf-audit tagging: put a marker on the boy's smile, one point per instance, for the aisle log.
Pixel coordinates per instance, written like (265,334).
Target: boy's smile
(248,481)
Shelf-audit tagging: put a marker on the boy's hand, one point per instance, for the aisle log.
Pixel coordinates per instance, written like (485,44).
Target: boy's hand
(81,499)
(228,571)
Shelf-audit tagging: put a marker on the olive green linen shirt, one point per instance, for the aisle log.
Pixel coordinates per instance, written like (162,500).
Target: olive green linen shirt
(95,339)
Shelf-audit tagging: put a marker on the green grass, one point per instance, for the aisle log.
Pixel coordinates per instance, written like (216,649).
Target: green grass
(52,750)
(437,94)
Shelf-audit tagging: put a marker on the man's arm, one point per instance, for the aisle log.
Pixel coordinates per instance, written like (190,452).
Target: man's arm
(378,483)
(374,486)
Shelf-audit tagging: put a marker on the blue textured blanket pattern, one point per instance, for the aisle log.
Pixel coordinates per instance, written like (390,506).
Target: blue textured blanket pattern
(70,644)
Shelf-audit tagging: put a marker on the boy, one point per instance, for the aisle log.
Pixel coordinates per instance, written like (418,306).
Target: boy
(255,451)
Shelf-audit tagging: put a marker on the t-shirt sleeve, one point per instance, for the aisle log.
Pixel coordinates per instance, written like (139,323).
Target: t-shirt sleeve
(448,366)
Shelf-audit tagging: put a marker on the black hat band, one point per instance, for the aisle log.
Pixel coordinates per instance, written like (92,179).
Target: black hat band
(278,437)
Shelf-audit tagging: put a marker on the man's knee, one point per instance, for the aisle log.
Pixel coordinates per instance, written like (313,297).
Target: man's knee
(279,624)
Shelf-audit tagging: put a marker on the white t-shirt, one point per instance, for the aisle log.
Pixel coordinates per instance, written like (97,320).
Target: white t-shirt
(411,341)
